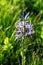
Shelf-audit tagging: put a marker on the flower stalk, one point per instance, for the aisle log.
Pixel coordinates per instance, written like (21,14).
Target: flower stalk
(23,28)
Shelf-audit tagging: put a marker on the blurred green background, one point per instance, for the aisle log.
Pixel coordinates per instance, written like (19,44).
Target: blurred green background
(10,50)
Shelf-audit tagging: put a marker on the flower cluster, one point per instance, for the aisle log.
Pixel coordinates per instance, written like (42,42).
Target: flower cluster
(23,28)
(20,29)
(28,29)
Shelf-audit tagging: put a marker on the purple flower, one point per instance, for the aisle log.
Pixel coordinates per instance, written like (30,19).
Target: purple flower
(23,32)
(29,29)
(28,32)
(28,25)
(22,23)
(17,35)
(23,28)
(20,29)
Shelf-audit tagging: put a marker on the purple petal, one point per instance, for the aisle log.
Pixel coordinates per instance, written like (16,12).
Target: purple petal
(22,32)
(22,23)
(17,35)
(30,32)
(28,25)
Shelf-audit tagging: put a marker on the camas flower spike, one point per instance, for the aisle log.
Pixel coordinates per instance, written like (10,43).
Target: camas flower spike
(23,28)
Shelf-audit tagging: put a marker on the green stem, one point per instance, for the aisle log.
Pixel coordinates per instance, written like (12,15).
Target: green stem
(23,63)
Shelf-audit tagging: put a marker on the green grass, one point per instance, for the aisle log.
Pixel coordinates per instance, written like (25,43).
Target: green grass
(11,51)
